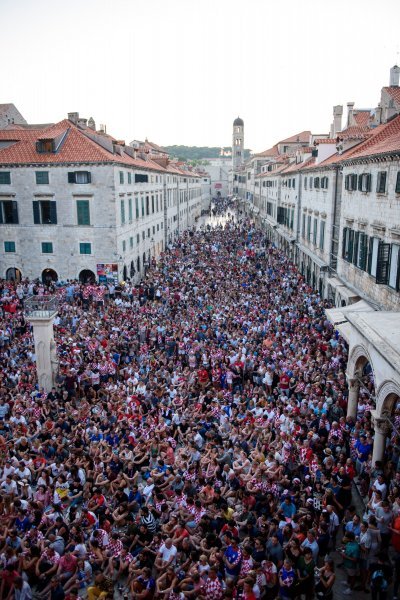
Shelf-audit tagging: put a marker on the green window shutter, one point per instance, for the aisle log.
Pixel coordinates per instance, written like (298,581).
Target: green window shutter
(363,251)
(355,249)
(398,183)
(5,177)
(350,246)
(83,212)
(36,212)
(71,177)
(383,263)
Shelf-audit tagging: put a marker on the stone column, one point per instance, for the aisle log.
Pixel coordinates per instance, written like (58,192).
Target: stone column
(382,429)
(40,311)
(352,402)
(44,351)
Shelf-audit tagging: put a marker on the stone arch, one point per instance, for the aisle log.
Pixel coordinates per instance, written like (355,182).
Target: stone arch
(387,395)
(358,358)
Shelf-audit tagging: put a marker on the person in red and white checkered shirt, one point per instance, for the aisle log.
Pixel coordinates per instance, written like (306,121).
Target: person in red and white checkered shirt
(212,589)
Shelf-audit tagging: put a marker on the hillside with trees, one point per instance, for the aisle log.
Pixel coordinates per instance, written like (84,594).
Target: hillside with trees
(197,153)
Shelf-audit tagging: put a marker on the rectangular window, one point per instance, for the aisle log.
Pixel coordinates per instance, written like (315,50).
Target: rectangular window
(83,212)
(5,177)
(131,242)
(394,267)
(9,246)
(383,263)
(397,190)
(137,206)
(322,234)
(142,199)
(43,146)
(123,246)
(47,247)
(152,205)
(324,183)
(148,232)
(44,212)
(315,231)
(129,177)
(381,182)
(143,235)
(122,212)
(354,257)
(147,206)
(363,252)
(8,212)
(79,177)
(85,248)
(138,238)
(364,182)
(42,177)
(140,178)
(121,177)
(316,183)
(309,228)
(311,182)
(373,255)
(130,208)
(303,227)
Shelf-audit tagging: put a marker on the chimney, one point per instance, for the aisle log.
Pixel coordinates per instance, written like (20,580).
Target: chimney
(337,119)
(394,76)
(350,108)
(73,116)
(82,122)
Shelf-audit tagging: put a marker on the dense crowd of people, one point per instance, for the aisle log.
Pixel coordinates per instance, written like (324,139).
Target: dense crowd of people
(195,443)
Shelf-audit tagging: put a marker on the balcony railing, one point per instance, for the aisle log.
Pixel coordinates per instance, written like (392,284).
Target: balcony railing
(40,307)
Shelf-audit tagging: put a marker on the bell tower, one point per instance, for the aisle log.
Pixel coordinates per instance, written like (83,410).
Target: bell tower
(237,143)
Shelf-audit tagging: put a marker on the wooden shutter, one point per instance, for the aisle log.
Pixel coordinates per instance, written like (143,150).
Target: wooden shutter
(398,183)
(36,212)
(368,185)
(360,182)
(71,177)
(350,246)
(344,240)
(354,257)
(363,251)
(383,263)
(89,177)
(370,251)
(53,213)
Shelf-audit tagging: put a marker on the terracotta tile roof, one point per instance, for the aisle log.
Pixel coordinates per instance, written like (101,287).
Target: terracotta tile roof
(273,172)
(394,92)
(293,168)
(55,130)
(78,147)
(384,139)
(325,141)
(270,152)
(361,117)
(355,132)
(300,138)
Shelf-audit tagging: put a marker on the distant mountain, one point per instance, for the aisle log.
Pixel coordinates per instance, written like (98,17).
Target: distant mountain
(197,153)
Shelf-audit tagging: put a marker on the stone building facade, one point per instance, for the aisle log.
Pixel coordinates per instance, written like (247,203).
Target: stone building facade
(76,203)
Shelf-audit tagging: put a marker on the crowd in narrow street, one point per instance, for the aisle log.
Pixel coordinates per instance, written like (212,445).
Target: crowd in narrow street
(195,443)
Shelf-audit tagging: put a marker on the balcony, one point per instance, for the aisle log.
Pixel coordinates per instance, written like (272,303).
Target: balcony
(40,307)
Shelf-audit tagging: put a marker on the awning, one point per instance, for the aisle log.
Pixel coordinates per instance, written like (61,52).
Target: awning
(320,263)
(334,282)
(338,316)
(347,294)
(344,330)
(287,236)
